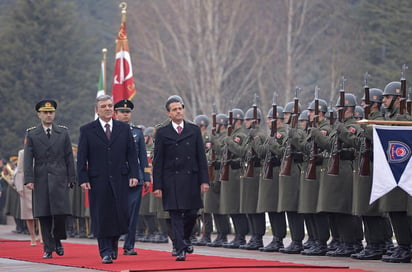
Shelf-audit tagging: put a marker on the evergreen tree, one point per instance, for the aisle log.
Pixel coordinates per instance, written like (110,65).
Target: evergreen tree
(45,54)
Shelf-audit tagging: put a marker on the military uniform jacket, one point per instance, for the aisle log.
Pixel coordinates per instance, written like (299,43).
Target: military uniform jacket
(230,190)
(180,167)
(249,186)
(107,165)
(336,192)
(48,163)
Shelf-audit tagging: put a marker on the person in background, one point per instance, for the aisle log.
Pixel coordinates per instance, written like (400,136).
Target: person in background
(123,110)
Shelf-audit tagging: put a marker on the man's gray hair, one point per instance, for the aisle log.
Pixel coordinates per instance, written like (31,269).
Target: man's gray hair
(103,97)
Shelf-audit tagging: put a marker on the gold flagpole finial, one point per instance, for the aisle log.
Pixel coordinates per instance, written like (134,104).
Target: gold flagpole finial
(123,7)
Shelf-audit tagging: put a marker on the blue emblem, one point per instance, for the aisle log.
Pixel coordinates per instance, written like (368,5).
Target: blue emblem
(398,152)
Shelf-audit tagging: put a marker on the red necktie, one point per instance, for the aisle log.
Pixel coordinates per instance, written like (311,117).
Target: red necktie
(179,129)
(108,132)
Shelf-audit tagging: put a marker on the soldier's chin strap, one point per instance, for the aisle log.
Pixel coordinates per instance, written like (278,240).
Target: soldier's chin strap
(392,102)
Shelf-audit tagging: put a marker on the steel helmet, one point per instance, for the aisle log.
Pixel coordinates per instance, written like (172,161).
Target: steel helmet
(323,106)
(202,120)
(393,88)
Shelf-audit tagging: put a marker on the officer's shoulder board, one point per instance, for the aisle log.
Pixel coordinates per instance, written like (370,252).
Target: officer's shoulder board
(30,128)
(61,126)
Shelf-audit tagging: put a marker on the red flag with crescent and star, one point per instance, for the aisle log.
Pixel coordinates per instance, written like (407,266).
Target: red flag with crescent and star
(123,84)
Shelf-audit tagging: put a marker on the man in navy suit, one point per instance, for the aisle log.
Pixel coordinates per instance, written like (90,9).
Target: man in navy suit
(107,166)
(180,173)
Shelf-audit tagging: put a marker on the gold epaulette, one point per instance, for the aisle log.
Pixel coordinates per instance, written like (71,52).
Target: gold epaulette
(31,128)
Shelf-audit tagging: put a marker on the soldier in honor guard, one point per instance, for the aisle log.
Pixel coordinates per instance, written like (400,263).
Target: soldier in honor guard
(249,182)
(271,153)
(49,171)
(230,172)
(313,172)
(212,197)
(207,221)
(376,224)
(336,188)
(396,201)
(289,179)
(123,112)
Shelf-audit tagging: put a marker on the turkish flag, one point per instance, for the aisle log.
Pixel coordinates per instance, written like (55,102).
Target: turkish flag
(123,84)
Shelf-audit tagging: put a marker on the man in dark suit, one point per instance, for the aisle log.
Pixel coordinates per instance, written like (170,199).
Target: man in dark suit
(49,172)
(107,166)
(180,173)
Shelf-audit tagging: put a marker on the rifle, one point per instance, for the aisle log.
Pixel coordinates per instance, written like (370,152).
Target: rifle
(290,149)
(251,154)
(311,171)
(211,167)
(364,163)
(333,168)
(224,171)
(402,106)
(268,166)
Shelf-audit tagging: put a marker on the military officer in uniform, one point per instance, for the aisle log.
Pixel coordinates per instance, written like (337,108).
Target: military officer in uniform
(230,187)
(123,111)
(376,223)
(335,195)
(49,171)
(396,201)
(308,199)
(249,182)
(207,221)
(271,154)
(289,183)
(212,197)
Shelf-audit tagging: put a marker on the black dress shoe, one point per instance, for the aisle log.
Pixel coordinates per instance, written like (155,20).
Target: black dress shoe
(47,255)
(274,246)
(371,252)
(218,242)
(294,248)
(333,245)
(401,254)
(129,252)
(107,260)
(181,256)
(235,243)
(161,238)
(59,248)
(203,241)
(316,250)
(309,243)
(345,250)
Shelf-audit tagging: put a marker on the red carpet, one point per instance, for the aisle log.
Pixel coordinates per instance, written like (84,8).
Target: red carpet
(86,256)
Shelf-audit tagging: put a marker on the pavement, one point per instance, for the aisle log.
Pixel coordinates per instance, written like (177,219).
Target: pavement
(378,266)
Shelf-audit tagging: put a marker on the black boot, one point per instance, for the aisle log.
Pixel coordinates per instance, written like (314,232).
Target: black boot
(371,252)
(219,241)
(295,247)
(236,243)
(401,254)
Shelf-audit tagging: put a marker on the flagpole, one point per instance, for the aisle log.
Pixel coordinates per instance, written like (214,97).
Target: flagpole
(104,51)
(384,122)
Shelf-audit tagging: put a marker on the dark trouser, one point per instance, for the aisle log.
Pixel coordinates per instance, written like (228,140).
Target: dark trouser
(349,227)
(241,224)
(310,225)
(257,223)
(135,196)
(321,221)
(182,223)
(278,223)
(401,228)
(222,223)
(52,228)
(333,226)
(375,229)
(296,226)
(207,226)
(107,245)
